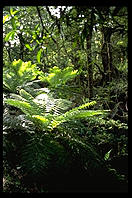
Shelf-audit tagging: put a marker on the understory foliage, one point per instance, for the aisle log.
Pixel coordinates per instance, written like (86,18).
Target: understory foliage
(17,74)
(65,99)
(48,116)
(46,136)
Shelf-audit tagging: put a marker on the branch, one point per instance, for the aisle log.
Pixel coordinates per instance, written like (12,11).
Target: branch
(9,51)
(53,17)
(40,21)
(43,27)
(57,21)
(99,69)
(21,45)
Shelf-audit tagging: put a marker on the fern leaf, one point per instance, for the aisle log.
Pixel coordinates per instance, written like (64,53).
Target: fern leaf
(24,106)
(30,99)
(41,121)
(88,104)
(48,112)
(82,114)
(76,114)
(107,155)
(17,97)
(57,77)
(26,95)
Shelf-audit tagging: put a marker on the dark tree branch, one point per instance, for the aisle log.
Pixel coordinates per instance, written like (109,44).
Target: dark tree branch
(43,27)
(9,51)
(57,21)
(21,45)
(102,72)
(53,17)
(40,21)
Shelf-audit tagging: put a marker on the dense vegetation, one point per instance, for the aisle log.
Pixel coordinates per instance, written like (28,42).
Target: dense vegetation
(65,99)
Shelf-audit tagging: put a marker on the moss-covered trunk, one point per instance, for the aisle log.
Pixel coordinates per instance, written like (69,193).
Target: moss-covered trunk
(106,54)
(89,54)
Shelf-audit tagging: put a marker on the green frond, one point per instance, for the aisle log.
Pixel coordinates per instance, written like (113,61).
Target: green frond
(82,152)
(18,73)
(82,113)
(48,113)
(37,108)
(24,106)
(17,97)
(54,106)
(26,95)
(88,104)
(75,114)
(57,76)
(41,121)
(42,155)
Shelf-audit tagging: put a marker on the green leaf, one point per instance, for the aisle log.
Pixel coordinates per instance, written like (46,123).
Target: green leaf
(107,155)
(39,55)
(5,18)
(10,35)
(15,12)
(36,27)
(29,47)
(87,105)
(24,106)
(41,121)
(13,23)
(74,44)
(26,95)
(11,11)
(57,76)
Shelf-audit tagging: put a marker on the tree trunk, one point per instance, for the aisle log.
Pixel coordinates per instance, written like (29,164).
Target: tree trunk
(89,53)
(90,67)
(106,54)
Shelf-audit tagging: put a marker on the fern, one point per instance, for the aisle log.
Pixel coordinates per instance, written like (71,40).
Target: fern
(48,155)
(57,77)
(79,149)
(47,112)
(18,73)
(43,154)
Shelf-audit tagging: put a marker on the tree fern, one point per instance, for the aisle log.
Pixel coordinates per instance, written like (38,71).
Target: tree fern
(59,82)
(57,76)
(43,154)
(79,149)
(48,115)
(18,73)
(49,155)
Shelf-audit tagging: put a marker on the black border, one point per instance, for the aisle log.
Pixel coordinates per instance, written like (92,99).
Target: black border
(50,3)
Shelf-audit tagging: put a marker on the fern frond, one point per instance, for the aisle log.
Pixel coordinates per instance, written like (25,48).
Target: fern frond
(89,159)
(18,73)
(17,97)
(26,95)
(88,104)
(24,106)
(74,114)
(43,154)
(30,99)
(42,122)
(48,113)
(54,106)
(57,77)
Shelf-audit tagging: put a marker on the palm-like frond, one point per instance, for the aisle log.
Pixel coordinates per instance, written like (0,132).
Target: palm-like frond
(57,76)
(42,154)
(48,112)
(18,73)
